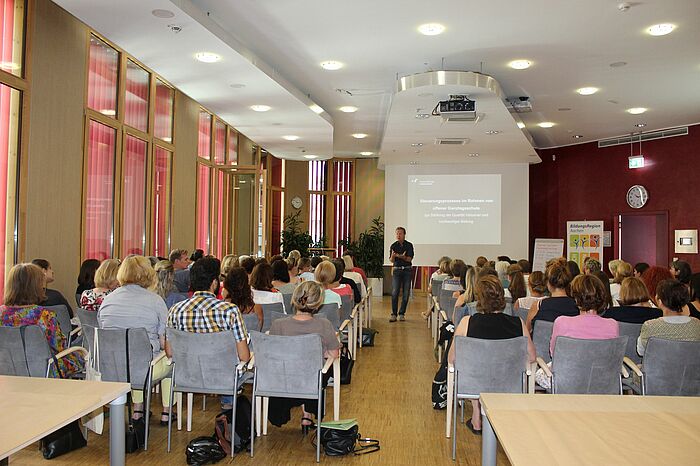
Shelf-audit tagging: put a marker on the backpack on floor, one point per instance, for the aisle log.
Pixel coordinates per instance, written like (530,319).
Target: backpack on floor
(439,391)
(224,426)
(368,336)
(204,450)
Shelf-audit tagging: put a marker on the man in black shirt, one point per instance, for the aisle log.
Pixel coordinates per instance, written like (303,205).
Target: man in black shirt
(401,256)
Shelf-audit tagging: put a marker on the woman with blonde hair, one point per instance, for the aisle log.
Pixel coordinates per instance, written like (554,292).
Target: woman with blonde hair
(634,304)
(165,286)
(325,275)
(134,305)
(622,270)
(105,283)
(24,290)
(227,263)
(536,287)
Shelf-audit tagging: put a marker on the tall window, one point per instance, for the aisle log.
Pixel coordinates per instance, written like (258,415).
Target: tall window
(137,93)
(163,124)
(318,186)
(203,188)
(276,202)
(12,36)
(331,188)
(99,196)
(342,199)
(133,237)
(102,77)
(161,201)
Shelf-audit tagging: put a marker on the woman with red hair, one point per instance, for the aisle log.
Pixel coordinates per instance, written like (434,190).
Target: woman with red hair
(652,277)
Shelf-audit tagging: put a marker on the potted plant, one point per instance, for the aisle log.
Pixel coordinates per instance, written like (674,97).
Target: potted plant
(293,237)
(368,250)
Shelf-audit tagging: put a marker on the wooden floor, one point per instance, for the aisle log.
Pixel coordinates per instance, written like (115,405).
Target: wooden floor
(389,395)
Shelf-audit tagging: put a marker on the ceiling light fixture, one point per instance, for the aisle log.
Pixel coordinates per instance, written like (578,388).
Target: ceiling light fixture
(417,144)
(159,13)
(366,153)
(520,64)
(309,156)
(636,110)
(207,57)
(587,90)
(422,116)
(577,136)
(331,65)
(545,124)
(237,86)
(640,125)
(492,131)
(431,29)
(316,109)
(521,125)
(348,109)
(618,64)
(290,137)
(413,162)
(661,29)
(359,135)
(260,108)
(473,154)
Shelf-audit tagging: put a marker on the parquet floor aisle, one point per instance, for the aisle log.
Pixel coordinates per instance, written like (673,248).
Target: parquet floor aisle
(389,395)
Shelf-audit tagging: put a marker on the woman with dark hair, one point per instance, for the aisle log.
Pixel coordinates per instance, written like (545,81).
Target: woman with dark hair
(51,297)
(490,323)
(639,269)
(681,271)
(672,298)
(261,283)
(236,290)
(86,276)
(652,277)
(307,299)
(516,280)
(536,287)
(558,277)
(603,277)
(694,304)
(634,305)
(342,288)
(281,279)
(573,269)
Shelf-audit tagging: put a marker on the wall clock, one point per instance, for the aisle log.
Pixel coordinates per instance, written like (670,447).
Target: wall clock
(297,202)
(637,196)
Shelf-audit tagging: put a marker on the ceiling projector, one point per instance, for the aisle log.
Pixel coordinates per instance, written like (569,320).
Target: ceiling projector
(457,108)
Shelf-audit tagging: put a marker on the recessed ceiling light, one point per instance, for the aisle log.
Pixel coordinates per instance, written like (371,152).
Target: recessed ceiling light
(661,29)
(417,144)
(162,13)
(413,162)
(618,64)
(545,124)
(348,109)
(587,90)
(473,154)
(316,109)
(359,135)
(331,65)
(431,29)
(290,137)
(366,153)
(640,125)
(577,136)
(422,116)
(636,110)
(521,125)
(520,64)
(310,156)
(237,85)
(260,108)
(492,131)
(207,57)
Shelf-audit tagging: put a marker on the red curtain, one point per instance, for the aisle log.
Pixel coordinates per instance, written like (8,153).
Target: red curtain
(163,124)
(203,182)
(204,141)
(232,158)
(133,239)
(219,142)
(102,77)
(277,220)
(161,201)
(99,202)
(220,196)
(136,102)
(341,220)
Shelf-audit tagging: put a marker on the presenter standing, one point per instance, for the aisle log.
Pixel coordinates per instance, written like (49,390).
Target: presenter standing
(401,257)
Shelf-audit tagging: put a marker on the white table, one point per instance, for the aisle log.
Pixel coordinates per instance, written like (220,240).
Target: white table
(37,407)
(591,429)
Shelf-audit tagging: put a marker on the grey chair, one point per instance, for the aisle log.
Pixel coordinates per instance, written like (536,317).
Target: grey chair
(447,302)
(460,313)
(287,299)
(63,318)
(522,313)
(251,321)
(541,335)
(113,361)
(267,310)
(332,313)
(348,303)
(487,366)
(77,298)
(631,331)
(671,368)
(87,317)
(25,352)
(436,286)
(288,367)
(205,363)
(276,315)
(586,366)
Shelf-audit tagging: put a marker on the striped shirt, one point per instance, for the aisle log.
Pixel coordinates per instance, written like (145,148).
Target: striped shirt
(203,313)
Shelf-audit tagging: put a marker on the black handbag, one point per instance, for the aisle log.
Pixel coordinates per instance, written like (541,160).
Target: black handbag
(346,365)
(338,442)
(135,435)
(67,438)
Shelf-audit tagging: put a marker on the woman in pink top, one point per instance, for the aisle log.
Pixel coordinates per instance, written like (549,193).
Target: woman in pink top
(591,298)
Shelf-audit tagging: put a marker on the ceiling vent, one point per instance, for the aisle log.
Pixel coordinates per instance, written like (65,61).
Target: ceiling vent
(451,141)
(650,136)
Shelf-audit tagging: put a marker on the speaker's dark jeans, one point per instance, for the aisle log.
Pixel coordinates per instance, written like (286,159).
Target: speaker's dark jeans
(401,279)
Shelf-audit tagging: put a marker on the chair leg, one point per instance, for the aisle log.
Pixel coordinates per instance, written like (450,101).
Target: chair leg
(318,415)
(254,407)
(233,415)
(147,409)
(258,417)
(170,418)
(179,411)
(190,399)
(204,402)
(450,396)
(266,404)
(336,390)
(454,423)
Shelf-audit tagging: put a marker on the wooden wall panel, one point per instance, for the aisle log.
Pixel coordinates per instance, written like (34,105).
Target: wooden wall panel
(369,193)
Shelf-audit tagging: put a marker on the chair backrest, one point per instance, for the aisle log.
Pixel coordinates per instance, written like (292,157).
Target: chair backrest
(447,302)
(331,312)
(267,310)
(287,299)
(251,321)
(346,309)
(63,318)
(520,312)
(509,307)
(672,367)
(435,286)
(87,317)
(77,298)
(204,362)
(632,331)
(541,335)
(588,366)
(276,315)
(459,313)
(287,366)
(24,351)
(490,366)
(112,349)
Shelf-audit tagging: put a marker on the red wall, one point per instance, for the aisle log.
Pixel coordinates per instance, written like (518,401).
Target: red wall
(587,183)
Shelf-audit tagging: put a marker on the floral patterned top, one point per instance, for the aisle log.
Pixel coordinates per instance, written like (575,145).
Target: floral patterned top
(11,316)
(91,300)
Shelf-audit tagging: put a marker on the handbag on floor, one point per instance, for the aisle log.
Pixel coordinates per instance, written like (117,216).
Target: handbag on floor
(340,438)
(368,336)
(67,438)
(346,365)
(94,420)
(224,425)
(135,435)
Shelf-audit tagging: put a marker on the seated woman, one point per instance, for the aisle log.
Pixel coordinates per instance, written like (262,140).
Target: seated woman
(236,290)
(694,304)
(261,283)
(516,283)
(105,282)
(622,271)
(133,305)
(652,277)
(672,298)
(227,263)
(559,303)
(354,276)
(86,275)
(325,275)
(536,287)
(307,299)
(502,270)
(451,283)
(635,307)
(681,271)
(603,277)
(590,296)
(24,290)
(490,323)
(165,286)
(639,269)
(52,297)
(293,269)
(343,285)
(280,277)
